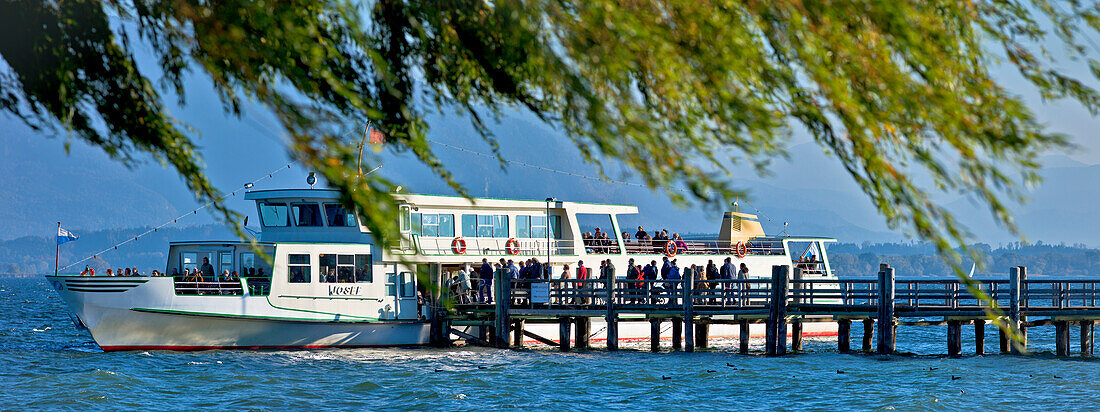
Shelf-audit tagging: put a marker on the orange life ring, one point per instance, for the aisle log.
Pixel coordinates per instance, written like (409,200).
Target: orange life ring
(740,249)
(458,246)
(670,249)
(512,246)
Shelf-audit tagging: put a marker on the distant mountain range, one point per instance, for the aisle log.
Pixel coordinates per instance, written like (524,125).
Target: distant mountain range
(810,191)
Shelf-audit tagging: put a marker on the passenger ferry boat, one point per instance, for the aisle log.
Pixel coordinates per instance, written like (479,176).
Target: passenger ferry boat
(329,284)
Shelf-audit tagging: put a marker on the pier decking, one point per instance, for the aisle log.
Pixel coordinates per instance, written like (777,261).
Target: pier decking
(784,303)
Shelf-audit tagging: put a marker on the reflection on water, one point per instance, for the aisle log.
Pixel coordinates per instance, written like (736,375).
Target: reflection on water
(49,363)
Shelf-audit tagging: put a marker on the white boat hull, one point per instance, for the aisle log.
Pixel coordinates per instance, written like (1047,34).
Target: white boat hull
(147,315)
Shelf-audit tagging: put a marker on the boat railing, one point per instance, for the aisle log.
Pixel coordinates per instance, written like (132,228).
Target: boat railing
(704,247)
(437,246)
(197,285)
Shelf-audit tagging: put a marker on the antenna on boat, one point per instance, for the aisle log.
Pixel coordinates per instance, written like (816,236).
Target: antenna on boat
(735,205)
(311,179)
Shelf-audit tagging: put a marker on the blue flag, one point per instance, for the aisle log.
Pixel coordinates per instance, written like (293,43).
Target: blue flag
(65,235)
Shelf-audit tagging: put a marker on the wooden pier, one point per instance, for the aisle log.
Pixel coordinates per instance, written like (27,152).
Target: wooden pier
(784,304)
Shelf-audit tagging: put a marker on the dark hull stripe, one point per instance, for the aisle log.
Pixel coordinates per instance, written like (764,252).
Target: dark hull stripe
(255,347)
(97,289)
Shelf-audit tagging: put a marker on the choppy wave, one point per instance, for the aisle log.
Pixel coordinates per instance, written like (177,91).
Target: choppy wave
(49,364)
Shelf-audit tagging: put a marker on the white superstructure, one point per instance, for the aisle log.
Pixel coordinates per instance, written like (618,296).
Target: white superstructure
(329,284)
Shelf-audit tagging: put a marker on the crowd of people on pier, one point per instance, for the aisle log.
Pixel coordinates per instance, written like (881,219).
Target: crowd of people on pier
(475,285)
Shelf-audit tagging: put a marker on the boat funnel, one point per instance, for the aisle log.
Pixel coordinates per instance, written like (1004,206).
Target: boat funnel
(739,227)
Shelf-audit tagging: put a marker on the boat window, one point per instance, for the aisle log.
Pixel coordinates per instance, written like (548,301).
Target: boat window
(485,225)
(364,268)
(248,263)
(307,214)
(408,285)
(433,225)
(391,283)
(523,226)
(225,261)
(340,268)
(535,227)
(405,220)
(298,268)
(274,214)
(338,216)
(189,260)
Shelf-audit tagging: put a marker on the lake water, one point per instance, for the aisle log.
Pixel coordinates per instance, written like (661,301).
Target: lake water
(48,363)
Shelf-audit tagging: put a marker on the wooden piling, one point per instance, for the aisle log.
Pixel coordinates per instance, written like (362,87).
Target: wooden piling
(1086,337)
(677,334)
(517,332)
(702,333)
(886,340)
(954,338)
(1014,306)
(584,332)
(776,334)
(979,337)
(655,334)
(503,296)
(743,342)
(1061,338)
(844,335)
(796,335)
(612,319)
(1002,340)
(868,333)
(563,336)
(689,311)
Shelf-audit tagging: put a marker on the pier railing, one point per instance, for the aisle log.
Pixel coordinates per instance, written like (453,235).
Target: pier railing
(783,299)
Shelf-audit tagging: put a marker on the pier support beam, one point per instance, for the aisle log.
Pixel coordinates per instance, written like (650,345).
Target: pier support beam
(954,338)
(796,335)
(612,319)
(584,332)
(689,311)
(1086,337)
(1002,340)
(776,335)
(613,332)
(743,342)
(844,335)
(502,289)
(655,334)
(868,333)
(677,334)
(1061,338)
(979,337)
(702,333)
(517,332)
(886,330)
(563,336)
(1015,278)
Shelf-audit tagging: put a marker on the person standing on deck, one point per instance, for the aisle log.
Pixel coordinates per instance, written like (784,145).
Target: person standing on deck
(485,282)
(665,268)
(207,269)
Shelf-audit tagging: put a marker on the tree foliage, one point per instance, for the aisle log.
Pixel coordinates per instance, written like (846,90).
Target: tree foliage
(898,91)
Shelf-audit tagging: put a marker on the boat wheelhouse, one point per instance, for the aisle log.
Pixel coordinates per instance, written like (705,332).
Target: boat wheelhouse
(325,282)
